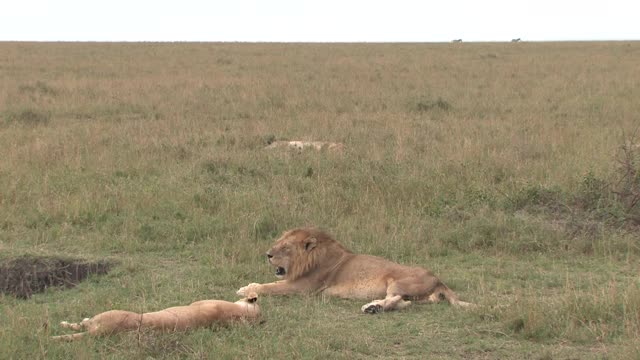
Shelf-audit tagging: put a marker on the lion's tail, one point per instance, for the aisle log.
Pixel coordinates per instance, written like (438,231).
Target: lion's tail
(443,291)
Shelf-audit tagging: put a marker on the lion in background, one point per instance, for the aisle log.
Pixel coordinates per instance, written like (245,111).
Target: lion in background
(199,314)
(310,261)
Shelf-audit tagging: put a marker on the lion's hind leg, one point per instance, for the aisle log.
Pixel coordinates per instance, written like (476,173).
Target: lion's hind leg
(69,337)
(442,292)
(75,326)
(389,303)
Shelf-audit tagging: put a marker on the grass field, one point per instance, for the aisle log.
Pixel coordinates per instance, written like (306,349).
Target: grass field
(511,170)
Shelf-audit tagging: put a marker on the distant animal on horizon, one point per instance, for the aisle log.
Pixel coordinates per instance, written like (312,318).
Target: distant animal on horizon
(199,314)
(311,261)
(515,40)
(457,41)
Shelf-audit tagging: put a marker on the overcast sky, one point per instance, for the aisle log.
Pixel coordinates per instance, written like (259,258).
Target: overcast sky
(318,21)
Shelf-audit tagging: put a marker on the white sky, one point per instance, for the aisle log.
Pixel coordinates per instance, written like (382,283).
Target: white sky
(318,21)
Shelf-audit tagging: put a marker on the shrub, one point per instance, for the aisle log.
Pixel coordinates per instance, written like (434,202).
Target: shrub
(535,195)
(593,193)
(626,186)
(28,117)
(429,105)
(40,87)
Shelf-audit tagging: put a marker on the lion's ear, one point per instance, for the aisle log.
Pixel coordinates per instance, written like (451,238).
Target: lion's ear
(253,297)
(309,243)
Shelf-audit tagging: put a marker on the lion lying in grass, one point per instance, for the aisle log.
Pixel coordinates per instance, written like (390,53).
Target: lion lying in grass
(310,261)
(301,145)
(199,314)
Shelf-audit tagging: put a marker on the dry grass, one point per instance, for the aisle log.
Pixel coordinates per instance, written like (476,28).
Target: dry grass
(481,161)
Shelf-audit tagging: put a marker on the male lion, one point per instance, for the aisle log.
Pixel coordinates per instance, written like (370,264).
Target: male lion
(310,261)
(199,314)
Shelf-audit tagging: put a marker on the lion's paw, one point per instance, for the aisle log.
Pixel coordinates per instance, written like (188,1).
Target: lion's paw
(245,290)
(372,308)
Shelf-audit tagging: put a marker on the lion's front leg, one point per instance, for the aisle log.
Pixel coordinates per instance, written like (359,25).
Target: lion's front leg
(387,304)
(283,287)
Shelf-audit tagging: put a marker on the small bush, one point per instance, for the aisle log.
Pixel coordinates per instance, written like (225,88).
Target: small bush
(616,200)
(28,117)
(426,105)
(593,192)
(40,87)
(269,139)
(535,196)
(626,186)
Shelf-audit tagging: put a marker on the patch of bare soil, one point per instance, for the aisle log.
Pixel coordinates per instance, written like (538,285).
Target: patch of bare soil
(26,275)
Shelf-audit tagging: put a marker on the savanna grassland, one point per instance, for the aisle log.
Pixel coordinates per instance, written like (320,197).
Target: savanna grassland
(511,170)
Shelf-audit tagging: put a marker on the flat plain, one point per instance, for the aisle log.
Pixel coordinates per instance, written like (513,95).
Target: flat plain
(509,169)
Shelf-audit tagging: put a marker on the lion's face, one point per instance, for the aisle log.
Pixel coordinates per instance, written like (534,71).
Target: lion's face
(280,256)
(289,252)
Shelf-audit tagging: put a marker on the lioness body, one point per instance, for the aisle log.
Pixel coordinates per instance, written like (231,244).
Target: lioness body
(198,314)
(310,261)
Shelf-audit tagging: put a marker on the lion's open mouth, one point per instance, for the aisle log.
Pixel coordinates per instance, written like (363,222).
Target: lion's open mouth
(280,271)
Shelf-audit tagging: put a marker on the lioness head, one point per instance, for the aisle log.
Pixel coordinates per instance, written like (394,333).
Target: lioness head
(250,305)
(298,251)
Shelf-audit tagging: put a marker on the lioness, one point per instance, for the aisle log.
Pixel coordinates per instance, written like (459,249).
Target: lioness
(310,261)
(199,314)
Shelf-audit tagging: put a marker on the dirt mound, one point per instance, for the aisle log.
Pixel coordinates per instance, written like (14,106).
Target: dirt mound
(26,275)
